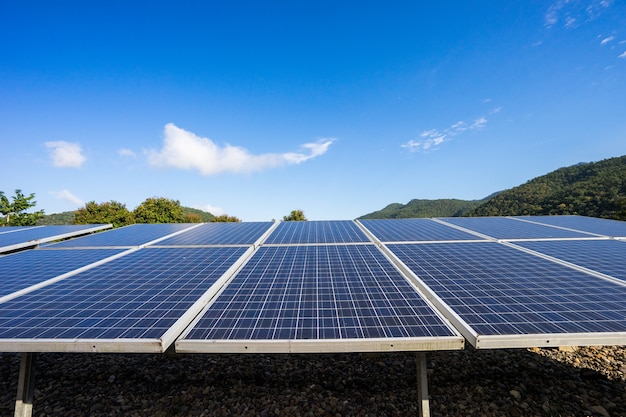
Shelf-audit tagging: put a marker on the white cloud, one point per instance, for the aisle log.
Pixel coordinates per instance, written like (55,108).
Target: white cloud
(217,211)
(573,13)
(430,139)
(65,195)
(126,152)
(185,150)
(607,40)
(622,55)
(66,154)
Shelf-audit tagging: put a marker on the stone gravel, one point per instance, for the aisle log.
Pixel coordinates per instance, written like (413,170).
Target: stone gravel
(590,381)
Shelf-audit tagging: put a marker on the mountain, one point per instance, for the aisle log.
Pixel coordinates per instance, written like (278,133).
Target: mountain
(426,208)
(595,189)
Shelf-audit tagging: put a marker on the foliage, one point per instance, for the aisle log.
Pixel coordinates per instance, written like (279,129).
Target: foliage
(109,212)
(66,217)
(589,189)
(295,216)
(226,218)
(204,216)
(159,210)
(426,208)
(14,212)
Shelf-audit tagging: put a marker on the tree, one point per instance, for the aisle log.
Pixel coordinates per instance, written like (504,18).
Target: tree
(109,212)
(226,218)
(159,210)
(295,216)
(14,212)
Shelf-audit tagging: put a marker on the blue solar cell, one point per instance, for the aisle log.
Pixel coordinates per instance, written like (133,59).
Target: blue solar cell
(137,296)
(318,292)
(23,269)
(220,234)
(510,228)
(414,230)
(605,256)
(499,290)
(308,232)
(31,236)
(605,227)
(133,235)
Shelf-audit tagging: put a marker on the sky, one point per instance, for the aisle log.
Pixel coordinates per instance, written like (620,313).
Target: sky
(255,109)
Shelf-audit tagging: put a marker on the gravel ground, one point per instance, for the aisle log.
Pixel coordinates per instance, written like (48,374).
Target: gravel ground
(518,382)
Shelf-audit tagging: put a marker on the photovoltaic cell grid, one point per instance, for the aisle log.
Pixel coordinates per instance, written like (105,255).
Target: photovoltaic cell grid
(499,290)
(606,227)
(316,232)
(128,236)
(605,256)
(510,228)
(414,230)
(244,233)
(23,269)
(138,296)
(31,236)
(13,229)
(318,292)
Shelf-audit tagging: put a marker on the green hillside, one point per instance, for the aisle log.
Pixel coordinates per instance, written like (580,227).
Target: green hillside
(426,208)
(596,189)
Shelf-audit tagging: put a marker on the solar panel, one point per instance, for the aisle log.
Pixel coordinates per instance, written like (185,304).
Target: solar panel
(510,228)
(319,298)
(605,227)
(136,303)
(414,230)
(32,236)
(12,229)
(502,297)
(605,256)
(312,232)
(24,269)
(220,233)
(127,236)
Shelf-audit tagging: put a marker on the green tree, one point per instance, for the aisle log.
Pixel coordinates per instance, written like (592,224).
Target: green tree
(159,210)
(226,218)
(14,212)
(295,216)
(109,212)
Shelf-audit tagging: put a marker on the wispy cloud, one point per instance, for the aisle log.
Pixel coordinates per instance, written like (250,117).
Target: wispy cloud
(573,13)
(607,40)
(185,150)
(217,211)
(126,152)
(66,154)
(622,55)
(430,139)
(65,195)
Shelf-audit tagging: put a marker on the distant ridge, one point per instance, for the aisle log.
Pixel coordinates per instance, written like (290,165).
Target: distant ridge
(595,189)
(426,208)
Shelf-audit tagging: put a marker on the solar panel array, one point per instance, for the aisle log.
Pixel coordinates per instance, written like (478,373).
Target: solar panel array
(328,286)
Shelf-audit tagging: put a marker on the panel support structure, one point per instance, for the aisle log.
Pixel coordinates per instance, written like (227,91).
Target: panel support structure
(422,384)
(25,386)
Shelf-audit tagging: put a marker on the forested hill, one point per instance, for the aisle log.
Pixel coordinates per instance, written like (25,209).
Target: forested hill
(426,208)
(596,189)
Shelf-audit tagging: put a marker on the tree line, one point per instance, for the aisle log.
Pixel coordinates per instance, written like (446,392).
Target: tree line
(14,212)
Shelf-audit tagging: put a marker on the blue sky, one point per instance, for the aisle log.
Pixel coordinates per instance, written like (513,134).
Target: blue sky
(254,109)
